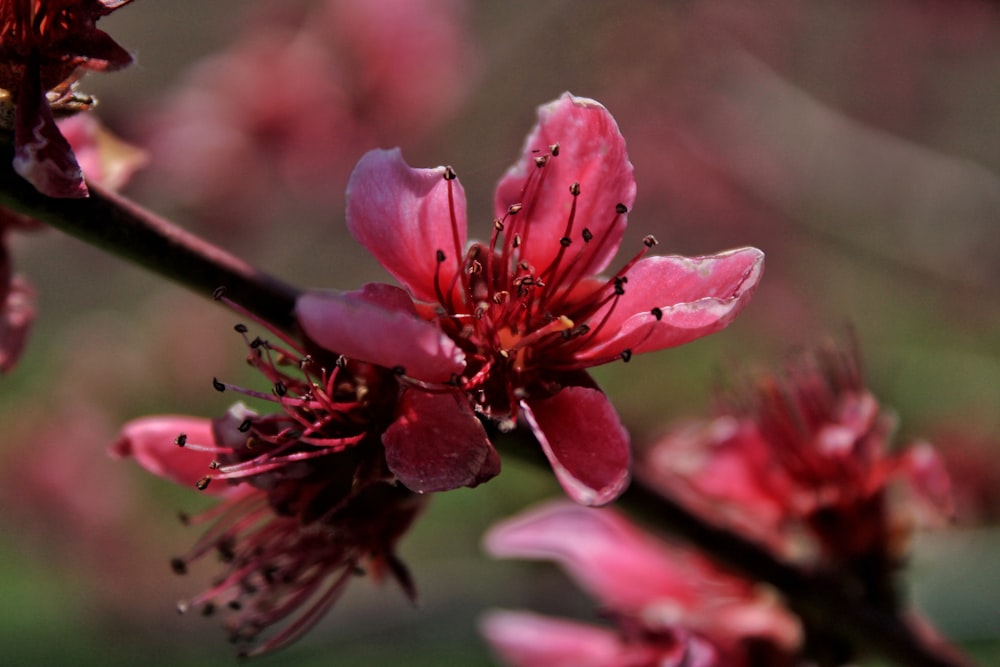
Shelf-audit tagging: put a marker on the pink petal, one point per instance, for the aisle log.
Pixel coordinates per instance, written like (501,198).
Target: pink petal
(152,442)
(692,297)
(403,216)
(585,442)
(604,553)
(42,156)
(524,639)
(591,153)
(378,325)
(437,444)
(922,467)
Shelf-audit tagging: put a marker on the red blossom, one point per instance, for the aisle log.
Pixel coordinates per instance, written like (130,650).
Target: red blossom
(670,604)
(307,502)
(43,44)
(513,323)
(804,465)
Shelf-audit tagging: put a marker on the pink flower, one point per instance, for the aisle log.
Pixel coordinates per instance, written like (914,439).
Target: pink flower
(45,43)
(667,601)
(806,469)
(511,324)
(307,502)
(341,75)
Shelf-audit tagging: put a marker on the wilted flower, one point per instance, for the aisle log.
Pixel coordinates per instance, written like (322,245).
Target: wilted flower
(670,605)
(307,499)
(43,45)
(804,465)
(509,326)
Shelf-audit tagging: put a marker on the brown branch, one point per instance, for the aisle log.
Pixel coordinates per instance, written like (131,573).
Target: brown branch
(113,223)
(120,226)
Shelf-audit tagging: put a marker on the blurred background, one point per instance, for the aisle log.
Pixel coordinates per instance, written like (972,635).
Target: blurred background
(854,142)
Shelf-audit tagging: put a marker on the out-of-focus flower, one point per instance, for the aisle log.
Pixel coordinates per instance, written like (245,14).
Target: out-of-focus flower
(43,45)
(307,500)
(298,97)
(671,606)
(804,466)
(510,325)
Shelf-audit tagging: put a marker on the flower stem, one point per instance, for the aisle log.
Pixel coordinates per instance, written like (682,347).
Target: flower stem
(121,227)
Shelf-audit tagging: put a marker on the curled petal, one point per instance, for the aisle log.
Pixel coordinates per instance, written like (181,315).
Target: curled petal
(524,639)
(379,326)
(592,154)
(671,300)
(437,444)
(153,443)
(605,554)
(585,442)
(404,216)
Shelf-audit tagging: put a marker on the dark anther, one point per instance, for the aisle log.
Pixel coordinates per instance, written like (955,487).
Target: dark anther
(620,286)
(449,174)
(256,342)
(244,425)
(202,483)
(235,605)
(649,241)
(439,255)
(626,355)
(541,160)
(306,361)
(219,293)
(498,225)
(657,313)
(514,208)
(181,440)
(208,609)
(587,235)
(516,241)
(218,385)
(554,149)
(565,241)
(241,328)
(178,565)
(214,465)
(621,209)
(280,389)
(574,189)
(341,362)
(398,370)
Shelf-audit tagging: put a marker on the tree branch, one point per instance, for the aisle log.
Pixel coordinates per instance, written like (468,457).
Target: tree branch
(118,225)
(121,227)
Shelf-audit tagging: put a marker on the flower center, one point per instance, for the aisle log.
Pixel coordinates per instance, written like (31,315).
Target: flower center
(517,320)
